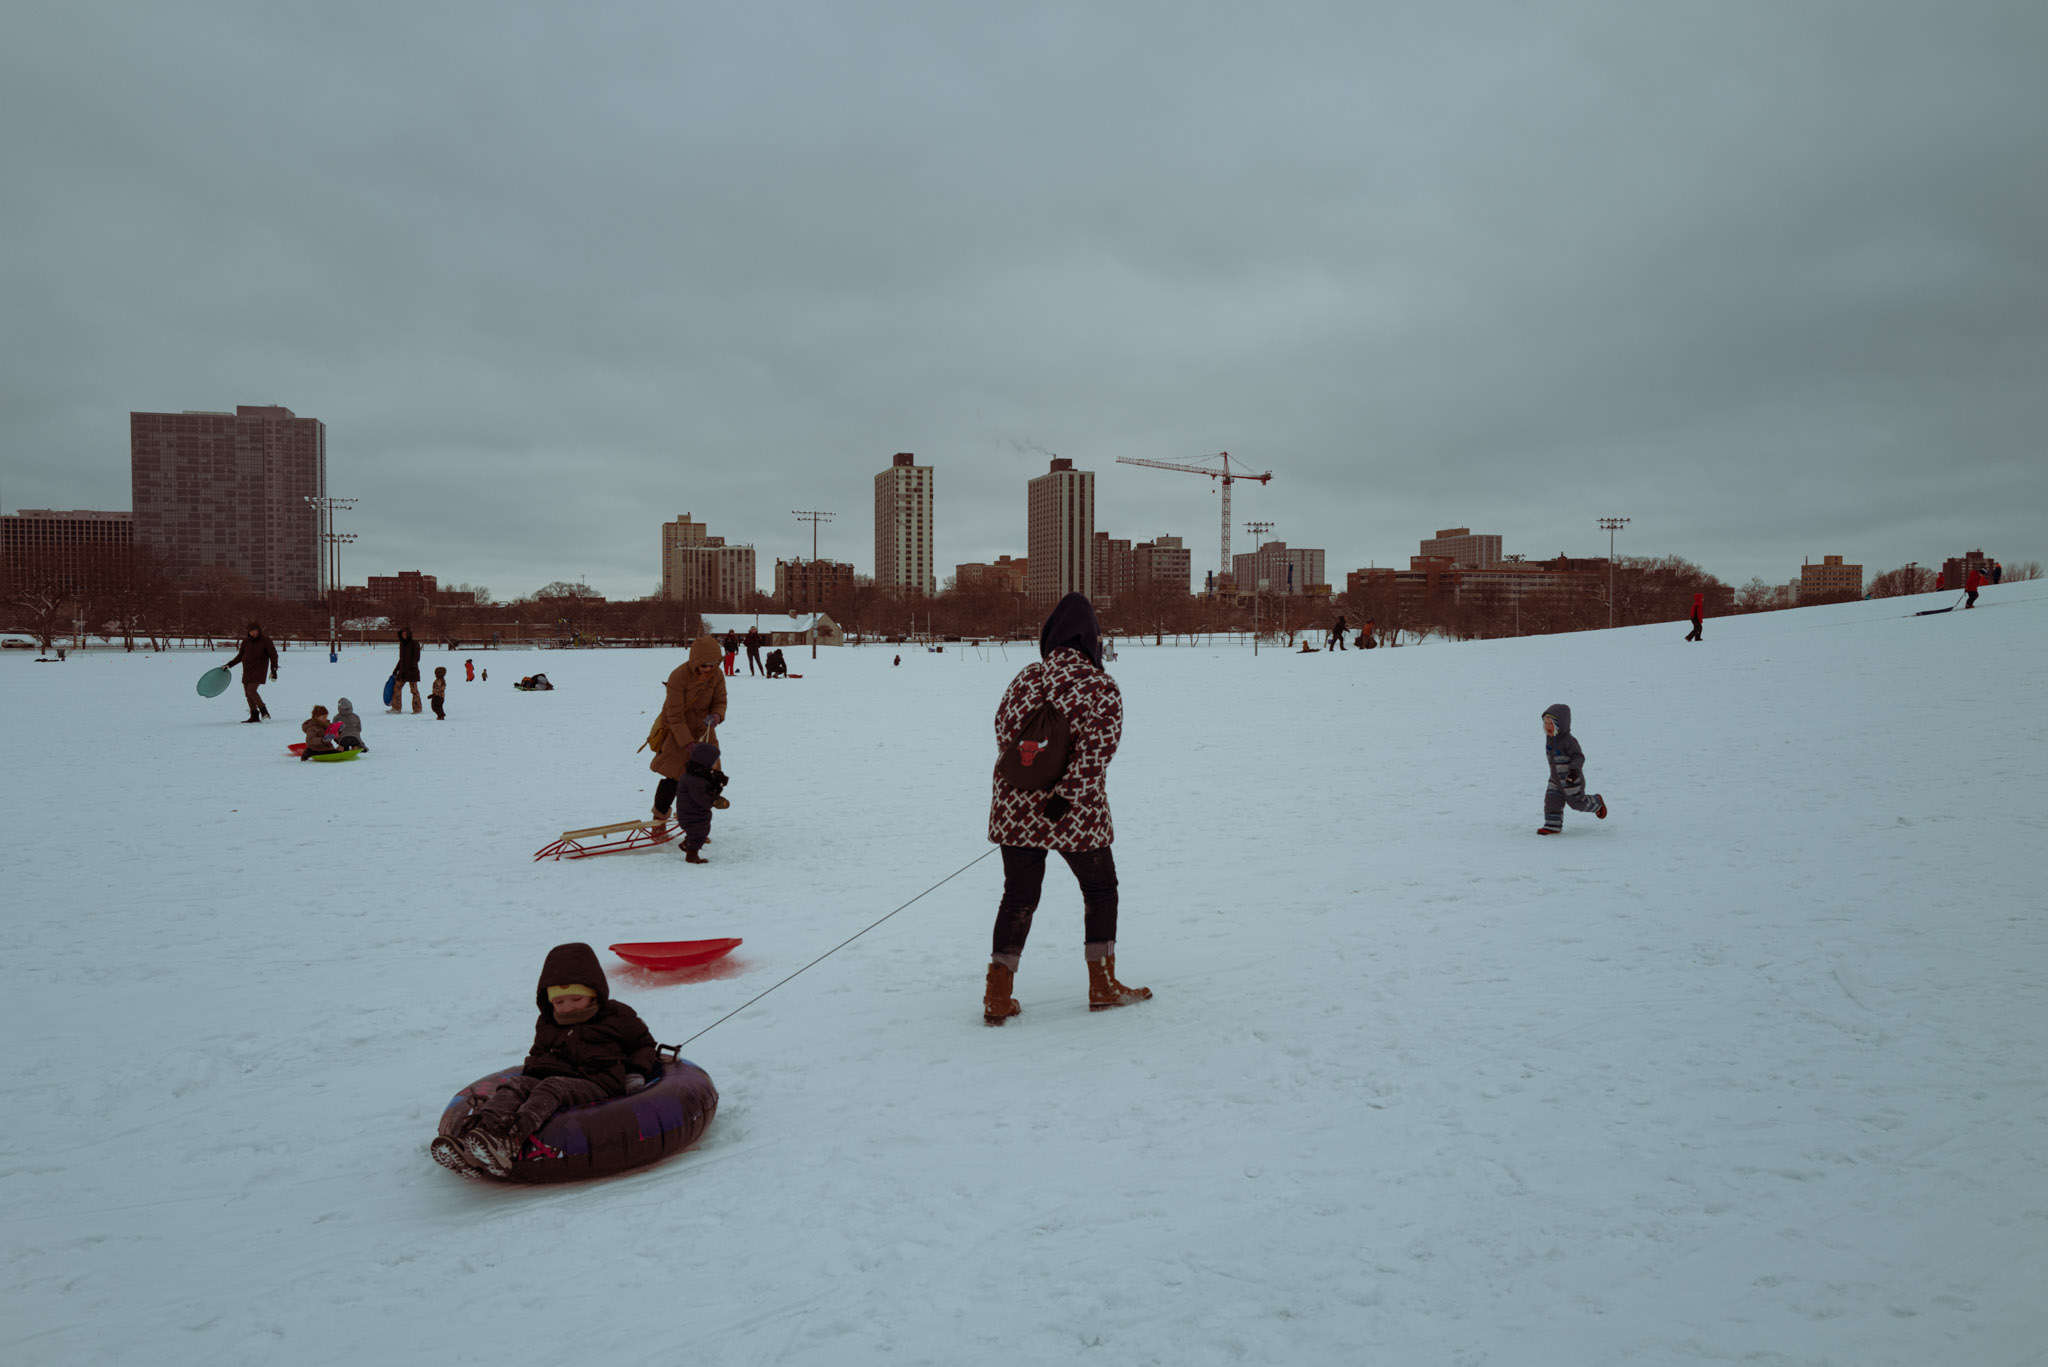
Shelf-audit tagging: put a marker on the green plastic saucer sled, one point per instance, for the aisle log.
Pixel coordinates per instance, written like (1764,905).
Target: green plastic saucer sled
(214,682)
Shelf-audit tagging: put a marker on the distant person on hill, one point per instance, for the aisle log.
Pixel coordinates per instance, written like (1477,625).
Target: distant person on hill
(1997,571)
(1368,636)
(1699,613)
(408,672)
(1971,585)
(1567,773)
(777,667)
(1940,581)
(351,733)
(732,653)
(1337,632)
(1028,816)
(258,659)
(753,642)
(469,671)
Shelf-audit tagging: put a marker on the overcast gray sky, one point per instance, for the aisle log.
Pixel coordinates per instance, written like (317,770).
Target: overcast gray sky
(1769,278)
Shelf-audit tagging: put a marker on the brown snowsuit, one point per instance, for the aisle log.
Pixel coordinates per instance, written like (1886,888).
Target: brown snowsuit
(691,698)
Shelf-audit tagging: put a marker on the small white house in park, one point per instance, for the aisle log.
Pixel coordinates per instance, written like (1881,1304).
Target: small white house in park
(780,629)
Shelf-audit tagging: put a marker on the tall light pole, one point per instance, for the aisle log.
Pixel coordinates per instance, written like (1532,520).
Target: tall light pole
(1256,530)
(330,554)
(1611,525)
(814,517)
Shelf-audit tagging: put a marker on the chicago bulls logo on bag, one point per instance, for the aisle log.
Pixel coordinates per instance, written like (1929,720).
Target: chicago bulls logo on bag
(1037,757)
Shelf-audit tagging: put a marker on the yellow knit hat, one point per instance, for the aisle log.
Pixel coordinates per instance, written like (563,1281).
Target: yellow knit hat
(569,990)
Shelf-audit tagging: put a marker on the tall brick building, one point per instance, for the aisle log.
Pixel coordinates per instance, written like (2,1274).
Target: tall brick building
(903,528)
(230,489)
(61,544)
(697,567)
(1060,527)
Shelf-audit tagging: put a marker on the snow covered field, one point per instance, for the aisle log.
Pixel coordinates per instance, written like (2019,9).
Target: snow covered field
(1755,1070)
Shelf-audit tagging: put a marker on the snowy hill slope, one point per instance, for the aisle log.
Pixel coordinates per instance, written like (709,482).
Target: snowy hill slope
(1754,1069)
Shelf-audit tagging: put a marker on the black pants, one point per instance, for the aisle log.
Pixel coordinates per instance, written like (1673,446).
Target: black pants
(1694,634)
(435,699)
(251,681)
(1972,599)
(1024,875)
(753,658)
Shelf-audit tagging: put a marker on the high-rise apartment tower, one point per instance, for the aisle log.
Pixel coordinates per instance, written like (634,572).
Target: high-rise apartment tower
(697,567)
(230,489)
(1061,533)
(903,528)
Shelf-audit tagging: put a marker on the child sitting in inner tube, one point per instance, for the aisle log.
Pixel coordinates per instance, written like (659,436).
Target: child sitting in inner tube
(586,1047)
(317,740)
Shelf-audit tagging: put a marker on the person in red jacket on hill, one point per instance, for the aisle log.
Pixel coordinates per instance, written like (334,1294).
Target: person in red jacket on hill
(1973,583)
(1699,612)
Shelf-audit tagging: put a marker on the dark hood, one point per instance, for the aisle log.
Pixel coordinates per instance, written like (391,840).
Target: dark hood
(571,963)
(344,705)
(1562,715)
(254,629)
(1072,624)
(704,753)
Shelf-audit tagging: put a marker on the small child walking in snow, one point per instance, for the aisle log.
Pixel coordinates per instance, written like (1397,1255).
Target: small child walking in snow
(1567,773)
(586,1047)
(317,740)
(438,696)
(695,795)
(351,733)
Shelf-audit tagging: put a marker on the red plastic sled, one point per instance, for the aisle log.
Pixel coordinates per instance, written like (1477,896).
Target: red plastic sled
(662,955)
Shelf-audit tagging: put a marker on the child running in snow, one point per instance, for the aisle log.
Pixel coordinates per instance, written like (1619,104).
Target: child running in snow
(586,1048)
(438,695)
(1567,773)
(317,740)
(351,733)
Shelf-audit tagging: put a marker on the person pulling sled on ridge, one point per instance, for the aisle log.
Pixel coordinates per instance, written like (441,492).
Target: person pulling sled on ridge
(694,707)
(1056,732)
(1567,772)
(258,659)
(586,1048)
(1971,585)
(1699,613)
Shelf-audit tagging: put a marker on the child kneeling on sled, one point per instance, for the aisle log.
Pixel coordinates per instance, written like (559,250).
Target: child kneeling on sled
(1567,786)
(317,740)
(586,1048)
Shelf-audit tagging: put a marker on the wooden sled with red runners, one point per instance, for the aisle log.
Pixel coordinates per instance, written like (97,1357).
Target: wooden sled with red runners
(616,838)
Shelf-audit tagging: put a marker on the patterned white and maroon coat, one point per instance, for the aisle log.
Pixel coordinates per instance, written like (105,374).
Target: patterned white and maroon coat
(1094,709)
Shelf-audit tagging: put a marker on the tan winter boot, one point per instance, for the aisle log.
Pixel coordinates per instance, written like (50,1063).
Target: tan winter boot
(1104,991)
(997,1005)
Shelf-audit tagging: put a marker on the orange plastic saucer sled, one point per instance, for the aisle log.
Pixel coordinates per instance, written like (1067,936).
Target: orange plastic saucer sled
(665,955)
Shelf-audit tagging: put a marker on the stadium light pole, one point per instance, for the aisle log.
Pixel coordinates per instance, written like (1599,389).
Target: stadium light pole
(1256,530)
(813,517)
(1611,525)
(324,510)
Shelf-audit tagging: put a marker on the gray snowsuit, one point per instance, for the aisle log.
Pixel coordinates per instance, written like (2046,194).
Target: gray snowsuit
(1567,787)
(351,735)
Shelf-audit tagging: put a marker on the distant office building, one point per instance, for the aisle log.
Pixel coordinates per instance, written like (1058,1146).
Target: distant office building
(810,585)
(697,567)
(903,528)
(1955,571)
(62,545)
(1002,575)
(1285,568)
(1061,533)
(230,489)
(1114,572)
(412,585)
(1163,563)
(1829,579)
(1459,546)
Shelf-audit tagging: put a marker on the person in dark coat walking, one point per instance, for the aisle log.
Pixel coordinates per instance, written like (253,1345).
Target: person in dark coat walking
(1338,632)
(1567,787)
(753,643)
(586,1047)
(258,659)
(1071,816)
(1699,612)
(408,672)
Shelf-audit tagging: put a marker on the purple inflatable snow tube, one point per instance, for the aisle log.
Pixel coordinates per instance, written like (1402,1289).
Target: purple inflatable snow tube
(665,1117)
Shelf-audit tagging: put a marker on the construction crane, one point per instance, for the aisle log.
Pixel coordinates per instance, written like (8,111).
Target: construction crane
(1226,474)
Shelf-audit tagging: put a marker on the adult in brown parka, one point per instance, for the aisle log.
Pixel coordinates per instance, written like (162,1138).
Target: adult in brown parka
(694,707)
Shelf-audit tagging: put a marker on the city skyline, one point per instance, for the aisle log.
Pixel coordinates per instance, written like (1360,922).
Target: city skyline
(1784,296)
